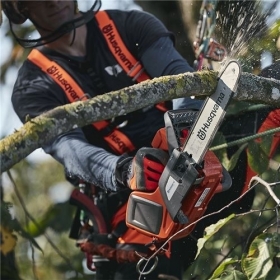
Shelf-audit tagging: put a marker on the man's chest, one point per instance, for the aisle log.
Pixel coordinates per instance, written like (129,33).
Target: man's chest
(100,72)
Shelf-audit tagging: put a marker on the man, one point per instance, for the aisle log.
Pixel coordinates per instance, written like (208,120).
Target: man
(74,41)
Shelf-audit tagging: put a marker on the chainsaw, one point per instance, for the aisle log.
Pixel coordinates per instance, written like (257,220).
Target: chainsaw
(193,174)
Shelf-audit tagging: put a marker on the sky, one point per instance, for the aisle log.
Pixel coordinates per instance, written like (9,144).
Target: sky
(8,119)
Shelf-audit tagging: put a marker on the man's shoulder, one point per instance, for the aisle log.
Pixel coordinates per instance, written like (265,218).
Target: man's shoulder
(124,12)
(121,16)
(27,69)
(27,74)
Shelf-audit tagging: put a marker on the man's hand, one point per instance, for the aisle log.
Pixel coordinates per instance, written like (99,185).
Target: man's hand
(143,171)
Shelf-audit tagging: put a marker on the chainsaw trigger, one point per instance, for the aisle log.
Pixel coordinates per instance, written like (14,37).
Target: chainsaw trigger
(140,262)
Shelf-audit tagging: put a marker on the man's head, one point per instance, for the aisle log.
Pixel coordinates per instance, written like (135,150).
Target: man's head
(52,18)
(18,11)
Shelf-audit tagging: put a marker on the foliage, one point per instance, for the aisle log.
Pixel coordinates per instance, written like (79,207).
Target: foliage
(51,218)
(244,246)
(242,28)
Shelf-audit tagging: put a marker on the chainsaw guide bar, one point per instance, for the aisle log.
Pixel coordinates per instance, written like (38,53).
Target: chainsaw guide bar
(212,113)
(193,174)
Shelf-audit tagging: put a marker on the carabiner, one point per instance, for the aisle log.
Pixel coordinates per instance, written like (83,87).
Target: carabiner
(148,271)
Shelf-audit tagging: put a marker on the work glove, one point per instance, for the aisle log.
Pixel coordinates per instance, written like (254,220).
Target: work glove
(142,172)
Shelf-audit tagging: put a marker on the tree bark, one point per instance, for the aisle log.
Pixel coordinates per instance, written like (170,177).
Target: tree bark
(42,129)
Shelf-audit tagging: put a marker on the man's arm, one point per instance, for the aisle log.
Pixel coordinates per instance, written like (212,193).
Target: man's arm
(83,160)
(34,93)
(162,59)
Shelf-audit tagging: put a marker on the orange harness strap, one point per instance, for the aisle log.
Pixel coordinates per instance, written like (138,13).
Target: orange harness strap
(117,140)
(127,61)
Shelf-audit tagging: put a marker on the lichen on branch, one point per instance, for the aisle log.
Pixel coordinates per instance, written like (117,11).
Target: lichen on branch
(42,129)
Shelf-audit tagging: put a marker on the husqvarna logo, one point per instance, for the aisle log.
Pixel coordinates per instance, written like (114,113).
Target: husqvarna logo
(58,76)
(117,142)
(202,132)
(108,30)
(51,70)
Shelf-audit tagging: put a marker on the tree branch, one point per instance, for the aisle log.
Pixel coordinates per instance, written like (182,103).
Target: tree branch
(42,129)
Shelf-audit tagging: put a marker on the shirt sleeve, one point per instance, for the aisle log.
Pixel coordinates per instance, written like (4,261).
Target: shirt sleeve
(83,160)
(168,61)
(143,29)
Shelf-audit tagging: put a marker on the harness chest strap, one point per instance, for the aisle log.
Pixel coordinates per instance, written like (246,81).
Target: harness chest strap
(127,61)
(117,140)
(124,57)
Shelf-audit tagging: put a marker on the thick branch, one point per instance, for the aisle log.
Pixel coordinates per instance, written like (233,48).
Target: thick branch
(42,129)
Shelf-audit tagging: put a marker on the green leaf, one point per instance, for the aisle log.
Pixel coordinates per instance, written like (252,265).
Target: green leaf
(221,153)
(210,231)
(222,267)
(265,144)
(257,158)
(40,225)
(233,160)
(259,260)
(231,275)
(18,228)
(63,218)
(274,274)
(14,225)
(58,217)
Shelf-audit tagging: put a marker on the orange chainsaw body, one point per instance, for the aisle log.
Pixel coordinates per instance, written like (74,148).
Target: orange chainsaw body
(148,214)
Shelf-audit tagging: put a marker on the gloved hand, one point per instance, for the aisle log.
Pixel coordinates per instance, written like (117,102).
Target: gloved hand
(143,171)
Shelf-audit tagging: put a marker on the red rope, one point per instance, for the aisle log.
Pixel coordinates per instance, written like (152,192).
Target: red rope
(121,256)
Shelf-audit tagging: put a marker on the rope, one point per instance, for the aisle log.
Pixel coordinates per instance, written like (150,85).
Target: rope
(106,251)
(245,139)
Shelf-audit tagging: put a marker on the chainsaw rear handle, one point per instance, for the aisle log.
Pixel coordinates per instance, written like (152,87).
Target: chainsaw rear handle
(81,200)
